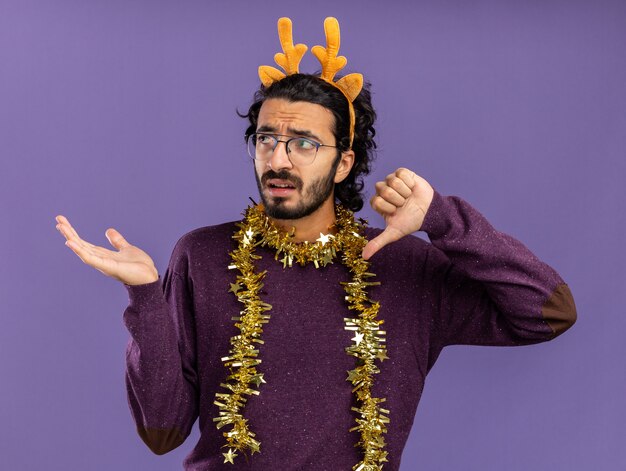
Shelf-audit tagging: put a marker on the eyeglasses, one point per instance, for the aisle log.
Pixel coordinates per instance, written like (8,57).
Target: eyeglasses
(301,150)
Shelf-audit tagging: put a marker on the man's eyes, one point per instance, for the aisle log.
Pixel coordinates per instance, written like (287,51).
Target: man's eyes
(304,144)
(301,143)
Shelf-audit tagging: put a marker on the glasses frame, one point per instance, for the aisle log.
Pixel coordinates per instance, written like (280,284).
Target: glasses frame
(291,138)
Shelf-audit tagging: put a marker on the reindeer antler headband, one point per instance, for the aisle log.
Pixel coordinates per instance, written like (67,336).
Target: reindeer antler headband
(290,58)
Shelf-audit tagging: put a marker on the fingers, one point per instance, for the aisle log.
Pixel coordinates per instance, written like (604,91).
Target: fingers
(65,228)
(97,257)
(401,182)
(389,194)
(116,239)
(388,236)
(73,240)
(64,223)
(381,206)
(84,253)
(393,192)
(131,266)
(94,256)
(402,199)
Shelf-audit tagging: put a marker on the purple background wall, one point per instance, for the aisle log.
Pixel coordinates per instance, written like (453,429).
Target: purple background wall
(122,114)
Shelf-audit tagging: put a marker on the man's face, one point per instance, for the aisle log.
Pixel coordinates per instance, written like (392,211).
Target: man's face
(289,191)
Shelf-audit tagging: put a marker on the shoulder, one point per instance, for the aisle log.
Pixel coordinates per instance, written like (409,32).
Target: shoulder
(202,245)
(216,234)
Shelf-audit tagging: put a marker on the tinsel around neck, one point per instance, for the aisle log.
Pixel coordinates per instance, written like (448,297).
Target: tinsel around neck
(348,232)
(258,229)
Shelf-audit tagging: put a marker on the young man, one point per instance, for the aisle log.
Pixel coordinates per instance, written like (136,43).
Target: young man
(254,325)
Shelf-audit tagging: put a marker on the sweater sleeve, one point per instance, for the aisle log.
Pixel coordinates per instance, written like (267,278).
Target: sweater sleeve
(490,288)
(161,377)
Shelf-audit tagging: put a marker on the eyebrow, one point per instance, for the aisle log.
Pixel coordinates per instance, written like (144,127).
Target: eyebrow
(297,132)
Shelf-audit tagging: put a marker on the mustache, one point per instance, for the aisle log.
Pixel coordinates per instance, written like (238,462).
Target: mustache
(282,175)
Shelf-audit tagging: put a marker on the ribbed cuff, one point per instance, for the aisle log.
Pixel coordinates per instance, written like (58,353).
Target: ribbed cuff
(146,296)
(436,222)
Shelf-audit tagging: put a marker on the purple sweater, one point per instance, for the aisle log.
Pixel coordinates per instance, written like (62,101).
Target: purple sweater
(472,285)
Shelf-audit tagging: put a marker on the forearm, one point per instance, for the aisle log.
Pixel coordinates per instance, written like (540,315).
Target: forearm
(161,398)
(526,293)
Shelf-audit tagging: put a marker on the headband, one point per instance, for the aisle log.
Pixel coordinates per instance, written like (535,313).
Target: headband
(290,58)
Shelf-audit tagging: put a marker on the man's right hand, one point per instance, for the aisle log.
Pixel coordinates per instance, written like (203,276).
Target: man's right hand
(129,264)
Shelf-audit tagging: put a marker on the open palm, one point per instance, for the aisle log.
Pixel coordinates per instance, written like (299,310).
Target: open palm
(129,264)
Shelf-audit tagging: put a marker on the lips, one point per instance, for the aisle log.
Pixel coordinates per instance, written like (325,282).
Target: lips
(280,184)
(280,188)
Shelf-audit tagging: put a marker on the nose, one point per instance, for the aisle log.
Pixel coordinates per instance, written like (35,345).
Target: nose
(280,157)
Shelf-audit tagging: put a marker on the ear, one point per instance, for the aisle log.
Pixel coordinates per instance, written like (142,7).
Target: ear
(345,165)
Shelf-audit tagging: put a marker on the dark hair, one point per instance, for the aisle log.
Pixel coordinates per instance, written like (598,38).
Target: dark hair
(312,89)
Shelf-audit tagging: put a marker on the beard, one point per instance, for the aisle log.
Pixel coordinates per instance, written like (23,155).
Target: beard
(313,196)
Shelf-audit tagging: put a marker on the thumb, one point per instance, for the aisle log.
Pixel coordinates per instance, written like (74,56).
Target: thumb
(116,239)
(387,236)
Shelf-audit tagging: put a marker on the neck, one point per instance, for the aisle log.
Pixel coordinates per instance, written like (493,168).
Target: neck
(309,227)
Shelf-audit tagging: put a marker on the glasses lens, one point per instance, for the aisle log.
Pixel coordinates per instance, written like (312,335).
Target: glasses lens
(261,146)
(251,142)
(302,151)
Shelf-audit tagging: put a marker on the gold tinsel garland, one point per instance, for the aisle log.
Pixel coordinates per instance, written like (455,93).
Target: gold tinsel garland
(257,229)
